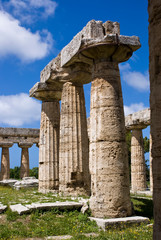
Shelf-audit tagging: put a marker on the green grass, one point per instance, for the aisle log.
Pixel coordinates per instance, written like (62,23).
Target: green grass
(53,223)
(10,196)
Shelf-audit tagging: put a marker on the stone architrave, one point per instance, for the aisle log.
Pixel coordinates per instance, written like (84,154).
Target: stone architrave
(49,146)
(5,160)
(138,167)
(24,169)
(154,9)
(74,175)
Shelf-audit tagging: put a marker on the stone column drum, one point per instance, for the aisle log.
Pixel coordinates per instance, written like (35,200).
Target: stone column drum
(74,175)
(108,152)
(5,160)
(155,105)
(138,168)
(49,146)
(24,169)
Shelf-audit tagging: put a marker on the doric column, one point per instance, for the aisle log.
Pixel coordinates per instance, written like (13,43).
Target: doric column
(138,168)
(151,164)
(155,105)
(49,146)
(24,169)
(108,153)
(74,152)
(5,160)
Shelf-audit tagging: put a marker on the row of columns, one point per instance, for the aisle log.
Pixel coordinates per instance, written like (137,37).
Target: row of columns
(100,167)
(5,160)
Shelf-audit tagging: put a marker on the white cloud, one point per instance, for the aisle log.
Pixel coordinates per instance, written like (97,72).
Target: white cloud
(31,10)
(19,109)
(137,80)
(135,107)
(21,42)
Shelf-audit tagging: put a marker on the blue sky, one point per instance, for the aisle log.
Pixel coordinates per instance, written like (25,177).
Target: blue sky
(32,32)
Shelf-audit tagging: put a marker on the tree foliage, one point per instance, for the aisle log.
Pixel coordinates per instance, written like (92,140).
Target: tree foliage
(15,172)
(34,172)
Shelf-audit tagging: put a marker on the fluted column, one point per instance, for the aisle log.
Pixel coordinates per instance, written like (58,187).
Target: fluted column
(5,160)
(74,153)
(24,169)
(138,168)
(108,152)
(155,105)
(49,146)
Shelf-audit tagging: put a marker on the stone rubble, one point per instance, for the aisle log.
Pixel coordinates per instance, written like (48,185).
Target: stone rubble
(107,223)
(26,182)
(21,209)
(2,208)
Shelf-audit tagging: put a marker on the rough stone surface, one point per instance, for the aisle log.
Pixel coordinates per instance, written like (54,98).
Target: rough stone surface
(107,223)
(8,182)
(49,146)
(138,168)
(138,120)
(19,208)
(103,36)
(29,182)
(19,135)
(108,152)
(155,105)
(74,152)
(60,205)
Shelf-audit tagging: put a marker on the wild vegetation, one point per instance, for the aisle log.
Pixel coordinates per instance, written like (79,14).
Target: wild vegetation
(53,223)
(15,172)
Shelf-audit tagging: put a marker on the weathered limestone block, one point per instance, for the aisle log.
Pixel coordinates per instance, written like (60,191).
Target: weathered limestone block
(138,168)
(94,34)
(74,152)
(18,135)
(108,153)
(49,146)
(24,169)
(155,105)
(5,161)
(138,120)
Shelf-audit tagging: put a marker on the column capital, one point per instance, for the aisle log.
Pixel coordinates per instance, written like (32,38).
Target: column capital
(25,145)
(6,144)
(46,92)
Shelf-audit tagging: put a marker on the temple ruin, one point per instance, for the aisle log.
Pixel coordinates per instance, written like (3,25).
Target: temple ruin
(25,138)
(92,56)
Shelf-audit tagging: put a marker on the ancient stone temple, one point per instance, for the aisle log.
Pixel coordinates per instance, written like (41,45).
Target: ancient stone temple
(155,105)
(25,138)
(92,56)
